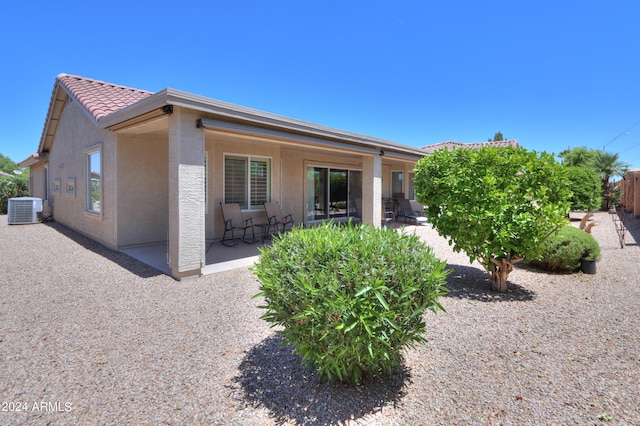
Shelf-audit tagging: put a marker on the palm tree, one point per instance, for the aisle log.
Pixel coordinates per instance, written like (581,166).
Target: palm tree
(608,165)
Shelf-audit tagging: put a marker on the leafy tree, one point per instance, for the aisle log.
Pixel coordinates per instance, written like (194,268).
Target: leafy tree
(585,185)
(496,204)
(7,165)
(11,187)
(579,156)
(497,137)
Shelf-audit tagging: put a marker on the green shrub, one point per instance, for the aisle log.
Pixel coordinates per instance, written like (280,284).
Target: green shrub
(11,187)
(349,298)
(586,187)
(565,248)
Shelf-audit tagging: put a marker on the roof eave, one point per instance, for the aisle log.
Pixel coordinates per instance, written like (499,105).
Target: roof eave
(33,159)
(251,116)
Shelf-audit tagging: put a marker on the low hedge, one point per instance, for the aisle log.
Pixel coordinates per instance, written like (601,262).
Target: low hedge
(564,249)
(349,298)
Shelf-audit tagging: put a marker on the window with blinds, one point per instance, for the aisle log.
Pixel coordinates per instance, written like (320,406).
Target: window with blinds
(247,181)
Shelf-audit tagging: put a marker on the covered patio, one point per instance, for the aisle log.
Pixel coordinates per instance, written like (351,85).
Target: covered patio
(219,258)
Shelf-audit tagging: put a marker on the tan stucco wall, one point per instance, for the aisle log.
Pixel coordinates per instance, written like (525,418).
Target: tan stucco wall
(75,135)
(288,164)
(143,200)
(294,167)
(136,192)
(217,145)
(37,181)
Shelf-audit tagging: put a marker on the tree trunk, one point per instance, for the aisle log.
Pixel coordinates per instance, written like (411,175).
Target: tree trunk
(499,273)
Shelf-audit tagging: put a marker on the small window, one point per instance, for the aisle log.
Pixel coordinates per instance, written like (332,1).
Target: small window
(247,181)
(94,182)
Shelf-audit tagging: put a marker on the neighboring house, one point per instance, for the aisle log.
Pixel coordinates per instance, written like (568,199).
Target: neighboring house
(128,167)
(451,145)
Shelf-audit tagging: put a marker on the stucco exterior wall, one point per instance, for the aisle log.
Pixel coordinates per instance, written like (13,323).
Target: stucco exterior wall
(75,135)
(288,173)
(37,182)
(186,194)
(143,199)
(294,170)
(217,145)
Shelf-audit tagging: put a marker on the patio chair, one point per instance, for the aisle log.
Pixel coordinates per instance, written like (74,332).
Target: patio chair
(387,214)
(276,219)
(406,211)
(233,220)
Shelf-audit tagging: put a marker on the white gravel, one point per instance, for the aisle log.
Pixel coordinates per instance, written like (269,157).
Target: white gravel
(89,336)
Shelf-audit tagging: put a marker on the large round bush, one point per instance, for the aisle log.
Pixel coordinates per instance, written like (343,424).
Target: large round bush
(586,187)
(565,248)
(349,298)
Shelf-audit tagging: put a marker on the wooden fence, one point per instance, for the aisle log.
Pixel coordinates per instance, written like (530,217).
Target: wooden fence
(630,187)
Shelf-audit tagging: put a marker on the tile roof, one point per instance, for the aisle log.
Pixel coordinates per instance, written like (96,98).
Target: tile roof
(476,145)
(98,97)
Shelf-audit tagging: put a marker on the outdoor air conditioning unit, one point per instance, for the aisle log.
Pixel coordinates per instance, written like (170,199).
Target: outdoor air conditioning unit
(24,210)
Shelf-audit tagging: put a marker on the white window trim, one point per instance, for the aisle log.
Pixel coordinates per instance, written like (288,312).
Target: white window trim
(249,159)
(87,155)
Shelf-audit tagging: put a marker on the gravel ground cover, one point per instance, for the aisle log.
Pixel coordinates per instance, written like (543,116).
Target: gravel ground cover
(90,336)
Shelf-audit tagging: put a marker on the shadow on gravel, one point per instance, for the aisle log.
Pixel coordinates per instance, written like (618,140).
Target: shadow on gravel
(272,377)
(466,282)
(132,265)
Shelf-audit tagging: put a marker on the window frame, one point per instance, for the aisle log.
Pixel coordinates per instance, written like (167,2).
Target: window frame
(350,169)
(88,154)
(249,159)
(401,182)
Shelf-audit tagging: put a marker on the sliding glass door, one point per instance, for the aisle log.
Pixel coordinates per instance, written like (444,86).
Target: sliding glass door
(332,193)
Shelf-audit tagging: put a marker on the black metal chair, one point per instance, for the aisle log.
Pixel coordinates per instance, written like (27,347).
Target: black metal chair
(277,220)
(233,220)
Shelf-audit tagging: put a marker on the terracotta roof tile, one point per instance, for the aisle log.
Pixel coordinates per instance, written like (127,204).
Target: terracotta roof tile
(451,145)
(100,98)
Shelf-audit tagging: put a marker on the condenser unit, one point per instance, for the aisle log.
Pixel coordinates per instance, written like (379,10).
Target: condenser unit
(24,210)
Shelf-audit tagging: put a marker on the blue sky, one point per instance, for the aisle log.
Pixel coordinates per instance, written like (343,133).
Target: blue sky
(550,74)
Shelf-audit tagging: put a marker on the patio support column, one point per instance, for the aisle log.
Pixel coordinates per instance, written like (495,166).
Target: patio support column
(372,190)
(186,195)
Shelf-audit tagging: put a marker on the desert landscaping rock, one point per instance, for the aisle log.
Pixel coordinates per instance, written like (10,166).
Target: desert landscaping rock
(91,336)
